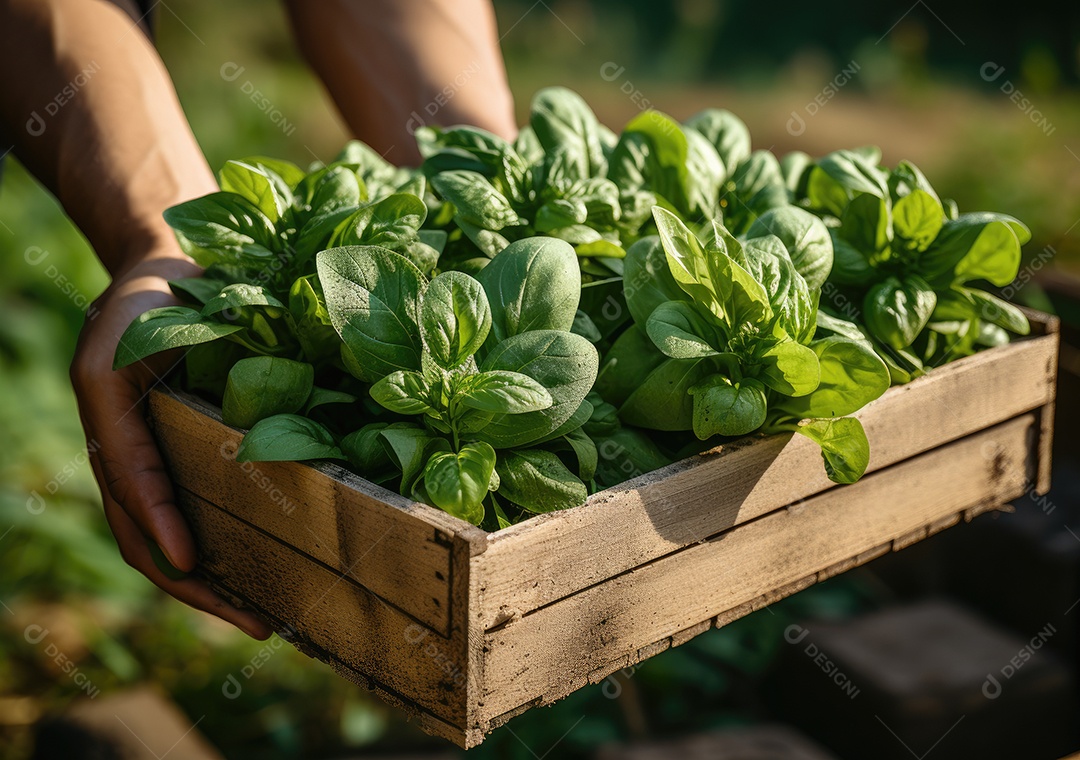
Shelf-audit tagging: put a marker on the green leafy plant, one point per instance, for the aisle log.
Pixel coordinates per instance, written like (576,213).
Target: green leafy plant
(724,342)
(912,261)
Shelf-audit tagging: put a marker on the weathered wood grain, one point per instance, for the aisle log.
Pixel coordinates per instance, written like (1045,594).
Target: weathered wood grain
(570,641)
(333,613)
(524,566)
(349,525)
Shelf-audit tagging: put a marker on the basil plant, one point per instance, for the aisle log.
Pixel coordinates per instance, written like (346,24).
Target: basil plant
(724,340)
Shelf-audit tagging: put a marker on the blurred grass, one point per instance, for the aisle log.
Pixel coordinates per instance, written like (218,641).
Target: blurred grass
(58,564)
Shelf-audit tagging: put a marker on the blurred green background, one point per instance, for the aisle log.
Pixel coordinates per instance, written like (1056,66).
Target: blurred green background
(989,110)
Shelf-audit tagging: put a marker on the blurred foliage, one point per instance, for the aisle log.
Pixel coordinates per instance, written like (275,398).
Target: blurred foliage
(917,93)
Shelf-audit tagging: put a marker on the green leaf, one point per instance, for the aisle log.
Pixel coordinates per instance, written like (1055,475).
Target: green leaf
(476,199)
(314,330)
(560,119)
(727,133)
(538,481)
(262,386)
(681,331)
(790,368)
(756,187)
(455,318)
(373,299)
(843,446)
(255,185)
(287,438)
(411,447)
(584,451)
(852,375)
(458,483)
(999,312)
(404,393)
(663,401)
(725,408)
(563,363)
(626,453)
(647,280)
(896,311)
(166,328)
(503,392)
(535,284)
(239,295)
(652,154)
(806,238)
(223,227)
(918,218)
(197,289)
(976,246)
(322,396)
(365,450)
(867,224)
(767,259)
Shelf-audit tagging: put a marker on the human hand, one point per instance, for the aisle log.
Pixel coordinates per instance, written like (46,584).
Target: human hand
(135,487)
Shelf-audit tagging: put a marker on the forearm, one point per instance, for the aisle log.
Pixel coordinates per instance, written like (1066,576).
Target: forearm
(96,119)
(393,65)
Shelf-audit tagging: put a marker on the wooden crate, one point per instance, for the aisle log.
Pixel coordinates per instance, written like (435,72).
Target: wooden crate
(466,629)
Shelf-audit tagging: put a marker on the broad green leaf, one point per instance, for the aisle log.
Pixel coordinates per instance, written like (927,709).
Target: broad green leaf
(756,186)
(690,266)
(289,173)
(790,368)
(796,166)
(262,386)
(647,280)
(585,327)
(458,483)
(287,438)
(843,446)
(681,331)
(561,119)
(727,133)
(166,328)
(850,265)
(896,311)
(237,296)
(223,227)
(999,312)
(255,185)
(918,218)
(455,318)
(323,396)
(584,451)
(476,200)
(503,392)
(411,448)
(627,364)
(767,259)
(624,454)
(558,213)
(867,224)
(534,284)
(976,246)
(563,363)
(197,289)
(855,173)
(538,481)
(366,452)
(318,339)
(373,299)
(705,172)
(651,154)
(403,393)
(725,408)
(806,238)
(852,375)
(663,401)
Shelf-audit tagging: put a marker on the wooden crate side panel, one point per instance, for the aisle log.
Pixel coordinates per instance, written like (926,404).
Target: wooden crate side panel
(551,556)
(549,653)
(386,549)
(333,617)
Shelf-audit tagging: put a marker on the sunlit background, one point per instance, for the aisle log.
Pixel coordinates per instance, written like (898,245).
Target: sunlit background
(985,104)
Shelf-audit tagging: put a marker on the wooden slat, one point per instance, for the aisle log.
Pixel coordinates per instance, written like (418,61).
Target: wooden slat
(551,556)
(555,649)
(332,614)
(384,542)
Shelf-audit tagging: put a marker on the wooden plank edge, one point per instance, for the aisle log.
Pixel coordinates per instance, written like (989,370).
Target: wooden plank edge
(427,721)
(441,521)
(757,604)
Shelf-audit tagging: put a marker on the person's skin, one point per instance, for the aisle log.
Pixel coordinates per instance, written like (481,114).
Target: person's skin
(120,152)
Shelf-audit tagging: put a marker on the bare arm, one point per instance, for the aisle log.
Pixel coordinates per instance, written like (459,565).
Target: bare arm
(94,116)
(393,65)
